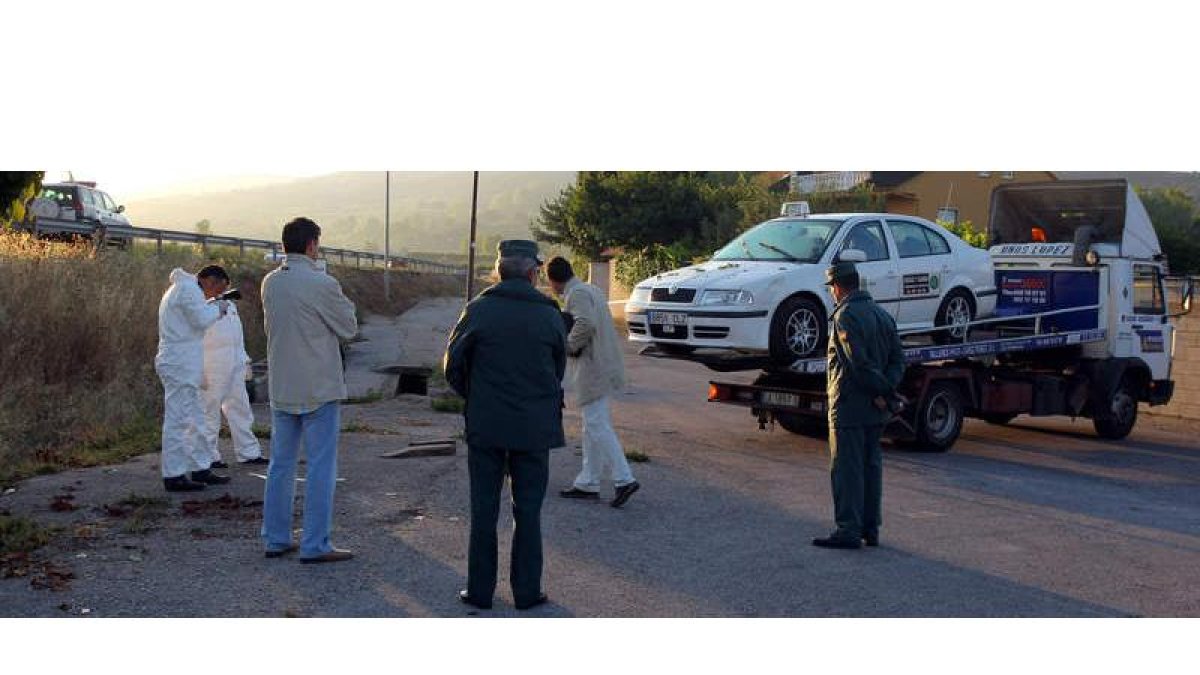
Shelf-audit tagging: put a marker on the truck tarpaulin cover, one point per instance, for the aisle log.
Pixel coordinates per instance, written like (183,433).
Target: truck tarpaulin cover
(1061,207)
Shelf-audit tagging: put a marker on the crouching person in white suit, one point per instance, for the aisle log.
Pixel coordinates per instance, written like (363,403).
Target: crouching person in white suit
(183,316)
(223,388)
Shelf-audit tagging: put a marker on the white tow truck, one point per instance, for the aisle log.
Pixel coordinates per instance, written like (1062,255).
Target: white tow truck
(1082,328)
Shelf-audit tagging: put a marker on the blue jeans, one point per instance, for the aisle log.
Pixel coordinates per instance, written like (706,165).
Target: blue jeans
(319,431)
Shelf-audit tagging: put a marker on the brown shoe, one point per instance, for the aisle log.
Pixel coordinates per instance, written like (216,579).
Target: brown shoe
(336,555)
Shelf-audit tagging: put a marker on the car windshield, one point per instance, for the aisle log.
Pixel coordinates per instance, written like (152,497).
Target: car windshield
(794,239)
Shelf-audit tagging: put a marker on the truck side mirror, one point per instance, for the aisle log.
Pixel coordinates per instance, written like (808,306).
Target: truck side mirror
(852,255)
(121,209)
(1186,290)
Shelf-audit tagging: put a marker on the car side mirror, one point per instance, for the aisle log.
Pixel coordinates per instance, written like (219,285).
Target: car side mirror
(852,255)
(121,209)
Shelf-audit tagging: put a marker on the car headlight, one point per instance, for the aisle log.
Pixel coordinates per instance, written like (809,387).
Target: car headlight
(726,298)
(640,295)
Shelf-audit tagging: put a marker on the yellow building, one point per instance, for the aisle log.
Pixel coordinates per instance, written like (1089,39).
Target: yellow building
(955,196)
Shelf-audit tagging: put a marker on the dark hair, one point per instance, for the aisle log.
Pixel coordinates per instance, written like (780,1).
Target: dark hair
(559,270)
(213,271)
(297,234)
(848,282)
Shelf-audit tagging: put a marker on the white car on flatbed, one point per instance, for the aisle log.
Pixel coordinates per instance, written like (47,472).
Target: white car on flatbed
(764,292)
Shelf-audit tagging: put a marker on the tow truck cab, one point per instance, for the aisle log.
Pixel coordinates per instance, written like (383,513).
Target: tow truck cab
(1078,235)
(1082,327)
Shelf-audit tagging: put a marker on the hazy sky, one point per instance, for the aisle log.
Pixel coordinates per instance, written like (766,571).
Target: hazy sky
(128,184)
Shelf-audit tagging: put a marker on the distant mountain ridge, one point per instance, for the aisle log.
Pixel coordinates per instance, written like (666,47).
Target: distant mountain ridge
(430,211)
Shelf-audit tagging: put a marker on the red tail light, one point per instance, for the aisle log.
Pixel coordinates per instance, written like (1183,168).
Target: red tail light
(717,392)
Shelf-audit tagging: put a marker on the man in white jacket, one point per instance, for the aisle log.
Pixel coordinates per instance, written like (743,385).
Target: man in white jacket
(224,385)
(595,371)
(183,316)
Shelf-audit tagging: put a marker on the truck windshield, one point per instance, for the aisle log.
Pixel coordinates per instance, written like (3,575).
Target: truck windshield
(794,239)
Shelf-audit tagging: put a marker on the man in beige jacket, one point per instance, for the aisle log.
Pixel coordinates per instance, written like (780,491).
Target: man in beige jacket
(595,371)
(306,315)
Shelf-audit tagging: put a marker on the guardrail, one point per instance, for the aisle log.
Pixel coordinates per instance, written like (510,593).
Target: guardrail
(339,256)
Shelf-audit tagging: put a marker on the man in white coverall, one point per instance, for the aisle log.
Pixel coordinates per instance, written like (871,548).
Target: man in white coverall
(223,388)
(595,371)
(183,316)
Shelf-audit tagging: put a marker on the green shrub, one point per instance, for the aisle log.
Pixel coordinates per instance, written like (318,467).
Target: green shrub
(967,232)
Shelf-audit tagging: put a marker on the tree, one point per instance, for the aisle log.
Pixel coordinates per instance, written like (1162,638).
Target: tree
(658,219)
(1177,222)
(16,188)
(203,227)
(635,210)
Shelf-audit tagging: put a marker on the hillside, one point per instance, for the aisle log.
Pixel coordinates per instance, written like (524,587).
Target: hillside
(431,211)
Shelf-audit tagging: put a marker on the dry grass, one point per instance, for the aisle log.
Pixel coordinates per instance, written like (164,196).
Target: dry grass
(21,535)
(448,404)
(78,335)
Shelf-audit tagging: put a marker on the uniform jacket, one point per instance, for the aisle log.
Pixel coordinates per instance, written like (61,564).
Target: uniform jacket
(305,315)
(865,360)
(507,357)
(183,316)
(596,367)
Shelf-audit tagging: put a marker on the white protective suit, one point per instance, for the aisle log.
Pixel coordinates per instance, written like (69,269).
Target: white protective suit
(183,316)
(223,388)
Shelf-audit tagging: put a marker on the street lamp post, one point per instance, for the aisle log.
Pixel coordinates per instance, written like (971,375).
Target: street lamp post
(387,235)
(471,244)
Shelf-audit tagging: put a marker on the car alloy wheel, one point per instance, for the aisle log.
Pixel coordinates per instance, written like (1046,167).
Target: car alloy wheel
(958,314)
(803,331)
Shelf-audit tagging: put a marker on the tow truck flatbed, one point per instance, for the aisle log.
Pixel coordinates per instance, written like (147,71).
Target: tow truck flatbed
(989,337)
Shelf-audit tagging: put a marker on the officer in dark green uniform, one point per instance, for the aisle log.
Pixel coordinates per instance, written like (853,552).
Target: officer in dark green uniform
(866,363)
(506,357)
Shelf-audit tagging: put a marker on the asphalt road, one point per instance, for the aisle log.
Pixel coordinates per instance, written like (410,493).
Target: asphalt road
(1040,518)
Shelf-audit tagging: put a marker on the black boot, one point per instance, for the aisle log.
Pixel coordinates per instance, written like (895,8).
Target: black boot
(207,477)
(181,484)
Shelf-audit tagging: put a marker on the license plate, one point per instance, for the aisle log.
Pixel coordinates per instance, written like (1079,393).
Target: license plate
(669,318)
(779,398)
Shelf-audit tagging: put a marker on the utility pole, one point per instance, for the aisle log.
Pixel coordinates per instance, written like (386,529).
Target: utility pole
(471,244)
(387,235)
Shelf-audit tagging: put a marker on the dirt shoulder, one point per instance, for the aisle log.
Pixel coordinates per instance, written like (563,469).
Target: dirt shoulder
(122,546)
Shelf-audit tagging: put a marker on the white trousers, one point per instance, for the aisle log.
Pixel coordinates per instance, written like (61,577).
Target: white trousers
(603,456)
(227,394)
(183,446)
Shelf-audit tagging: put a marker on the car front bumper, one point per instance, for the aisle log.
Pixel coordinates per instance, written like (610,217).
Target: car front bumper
(728,328)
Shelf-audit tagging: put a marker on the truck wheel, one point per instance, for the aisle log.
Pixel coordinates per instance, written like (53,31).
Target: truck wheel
(1121,416)
(797,331)
(999,418)
(957,308)
(803,425)
(940,418)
